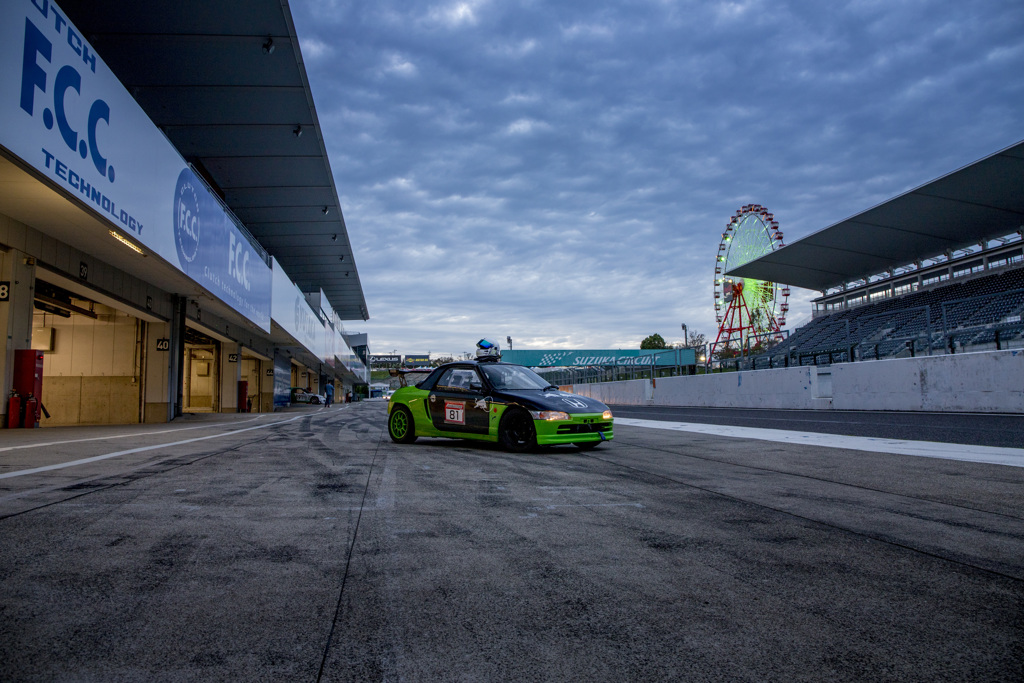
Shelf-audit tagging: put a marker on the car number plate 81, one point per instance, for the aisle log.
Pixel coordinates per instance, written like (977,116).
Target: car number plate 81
(455,412)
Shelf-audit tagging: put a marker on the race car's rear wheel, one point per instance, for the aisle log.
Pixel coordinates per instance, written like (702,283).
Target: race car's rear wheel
(401,428)
(517,432)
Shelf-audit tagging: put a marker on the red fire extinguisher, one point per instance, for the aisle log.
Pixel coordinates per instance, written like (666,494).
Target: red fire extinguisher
(14,410)
(31,412)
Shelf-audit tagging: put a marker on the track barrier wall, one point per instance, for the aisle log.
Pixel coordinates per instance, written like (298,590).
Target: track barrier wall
(969,382)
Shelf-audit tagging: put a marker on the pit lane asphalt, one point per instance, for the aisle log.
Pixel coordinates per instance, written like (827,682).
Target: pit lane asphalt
(313,548)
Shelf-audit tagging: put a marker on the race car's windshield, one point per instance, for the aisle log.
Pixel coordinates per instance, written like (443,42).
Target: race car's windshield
(513,377)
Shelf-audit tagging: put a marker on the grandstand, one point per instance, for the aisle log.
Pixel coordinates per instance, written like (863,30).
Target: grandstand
(939,269)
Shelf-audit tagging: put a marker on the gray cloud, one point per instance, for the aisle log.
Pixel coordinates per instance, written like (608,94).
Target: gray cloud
(562,173)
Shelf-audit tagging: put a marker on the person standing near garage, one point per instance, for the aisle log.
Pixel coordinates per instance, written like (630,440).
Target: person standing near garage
(329,393)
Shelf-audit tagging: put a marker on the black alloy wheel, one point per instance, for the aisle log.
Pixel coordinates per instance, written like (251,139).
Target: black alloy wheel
(517,432)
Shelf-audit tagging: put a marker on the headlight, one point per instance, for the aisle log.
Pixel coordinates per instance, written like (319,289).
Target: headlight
(606,415)
(549,415)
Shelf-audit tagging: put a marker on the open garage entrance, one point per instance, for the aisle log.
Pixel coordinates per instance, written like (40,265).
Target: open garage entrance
(258,373)
(305,378)
(92,365)
(201,390)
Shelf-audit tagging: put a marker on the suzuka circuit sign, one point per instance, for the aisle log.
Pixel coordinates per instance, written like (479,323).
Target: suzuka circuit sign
(605,357)
(65,114)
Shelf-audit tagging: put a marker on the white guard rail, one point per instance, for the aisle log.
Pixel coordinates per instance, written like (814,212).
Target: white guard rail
(991,382)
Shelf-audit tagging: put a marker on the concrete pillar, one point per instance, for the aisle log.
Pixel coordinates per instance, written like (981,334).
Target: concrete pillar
(230,375)
(176,359)
(266,386)
(158,394)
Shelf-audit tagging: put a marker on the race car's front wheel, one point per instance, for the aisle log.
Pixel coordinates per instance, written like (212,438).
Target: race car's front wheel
(400,425)
(516,431)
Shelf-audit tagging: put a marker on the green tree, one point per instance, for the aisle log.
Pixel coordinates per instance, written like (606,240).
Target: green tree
(726,352)
(655,341)
(693,338)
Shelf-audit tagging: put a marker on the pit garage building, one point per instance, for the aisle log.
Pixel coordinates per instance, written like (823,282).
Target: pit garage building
(171,238)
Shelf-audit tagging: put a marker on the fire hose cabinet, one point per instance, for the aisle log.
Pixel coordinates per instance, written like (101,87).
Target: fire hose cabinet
(28,383)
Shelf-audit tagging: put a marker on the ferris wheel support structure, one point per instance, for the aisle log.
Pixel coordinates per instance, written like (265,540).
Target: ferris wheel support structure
(737,325)
(750,305)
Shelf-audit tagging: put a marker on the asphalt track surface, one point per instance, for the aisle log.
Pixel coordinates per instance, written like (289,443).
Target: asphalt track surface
(306,546)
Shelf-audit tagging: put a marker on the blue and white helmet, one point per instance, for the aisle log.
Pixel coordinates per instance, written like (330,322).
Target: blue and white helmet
(487,349)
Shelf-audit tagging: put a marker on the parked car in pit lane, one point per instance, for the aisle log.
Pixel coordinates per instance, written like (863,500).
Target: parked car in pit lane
(499,402)
(300,395)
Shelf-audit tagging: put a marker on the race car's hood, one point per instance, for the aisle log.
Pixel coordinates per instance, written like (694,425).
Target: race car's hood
(554,400)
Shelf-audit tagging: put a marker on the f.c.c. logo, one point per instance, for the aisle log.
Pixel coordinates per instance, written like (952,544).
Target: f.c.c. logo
(36,72)
(186,218)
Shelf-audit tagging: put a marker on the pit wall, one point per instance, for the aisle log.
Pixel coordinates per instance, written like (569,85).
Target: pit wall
(991,382)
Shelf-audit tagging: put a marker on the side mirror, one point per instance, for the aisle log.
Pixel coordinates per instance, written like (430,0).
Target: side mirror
(476,386)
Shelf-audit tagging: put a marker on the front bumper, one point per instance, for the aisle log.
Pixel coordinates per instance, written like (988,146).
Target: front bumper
(582,428)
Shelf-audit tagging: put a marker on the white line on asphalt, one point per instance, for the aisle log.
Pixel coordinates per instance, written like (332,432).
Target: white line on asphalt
(993,455)
(83,461)
(124,436)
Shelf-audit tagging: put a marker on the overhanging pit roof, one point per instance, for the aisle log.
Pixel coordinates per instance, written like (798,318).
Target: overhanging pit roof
(204,74)
(981,201)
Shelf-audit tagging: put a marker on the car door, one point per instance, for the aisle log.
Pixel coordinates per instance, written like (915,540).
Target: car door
(457,402)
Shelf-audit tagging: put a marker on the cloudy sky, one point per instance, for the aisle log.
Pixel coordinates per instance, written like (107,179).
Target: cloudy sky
(561,172)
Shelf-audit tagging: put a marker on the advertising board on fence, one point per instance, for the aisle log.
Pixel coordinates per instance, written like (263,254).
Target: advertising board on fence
(605,357)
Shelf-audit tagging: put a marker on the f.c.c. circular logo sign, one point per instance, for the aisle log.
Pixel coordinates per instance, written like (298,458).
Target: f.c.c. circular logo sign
(186,218)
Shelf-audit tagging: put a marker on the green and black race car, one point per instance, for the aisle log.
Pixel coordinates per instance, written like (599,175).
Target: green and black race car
(492,401)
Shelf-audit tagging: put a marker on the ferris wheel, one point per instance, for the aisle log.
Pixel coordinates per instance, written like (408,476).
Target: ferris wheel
(749,312)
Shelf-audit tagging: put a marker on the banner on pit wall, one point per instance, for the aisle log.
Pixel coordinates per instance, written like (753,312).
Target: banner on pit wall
(293,314)
(584,358)
(65,114)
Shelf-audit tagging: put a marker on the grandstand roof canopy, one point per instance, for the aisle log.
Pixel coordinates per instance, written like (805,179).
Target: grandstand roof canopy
(226,83)
(981,201)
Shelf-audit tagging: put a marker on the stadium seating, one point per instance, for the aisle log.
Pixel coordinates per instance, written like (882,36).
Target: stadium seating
(973,314)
